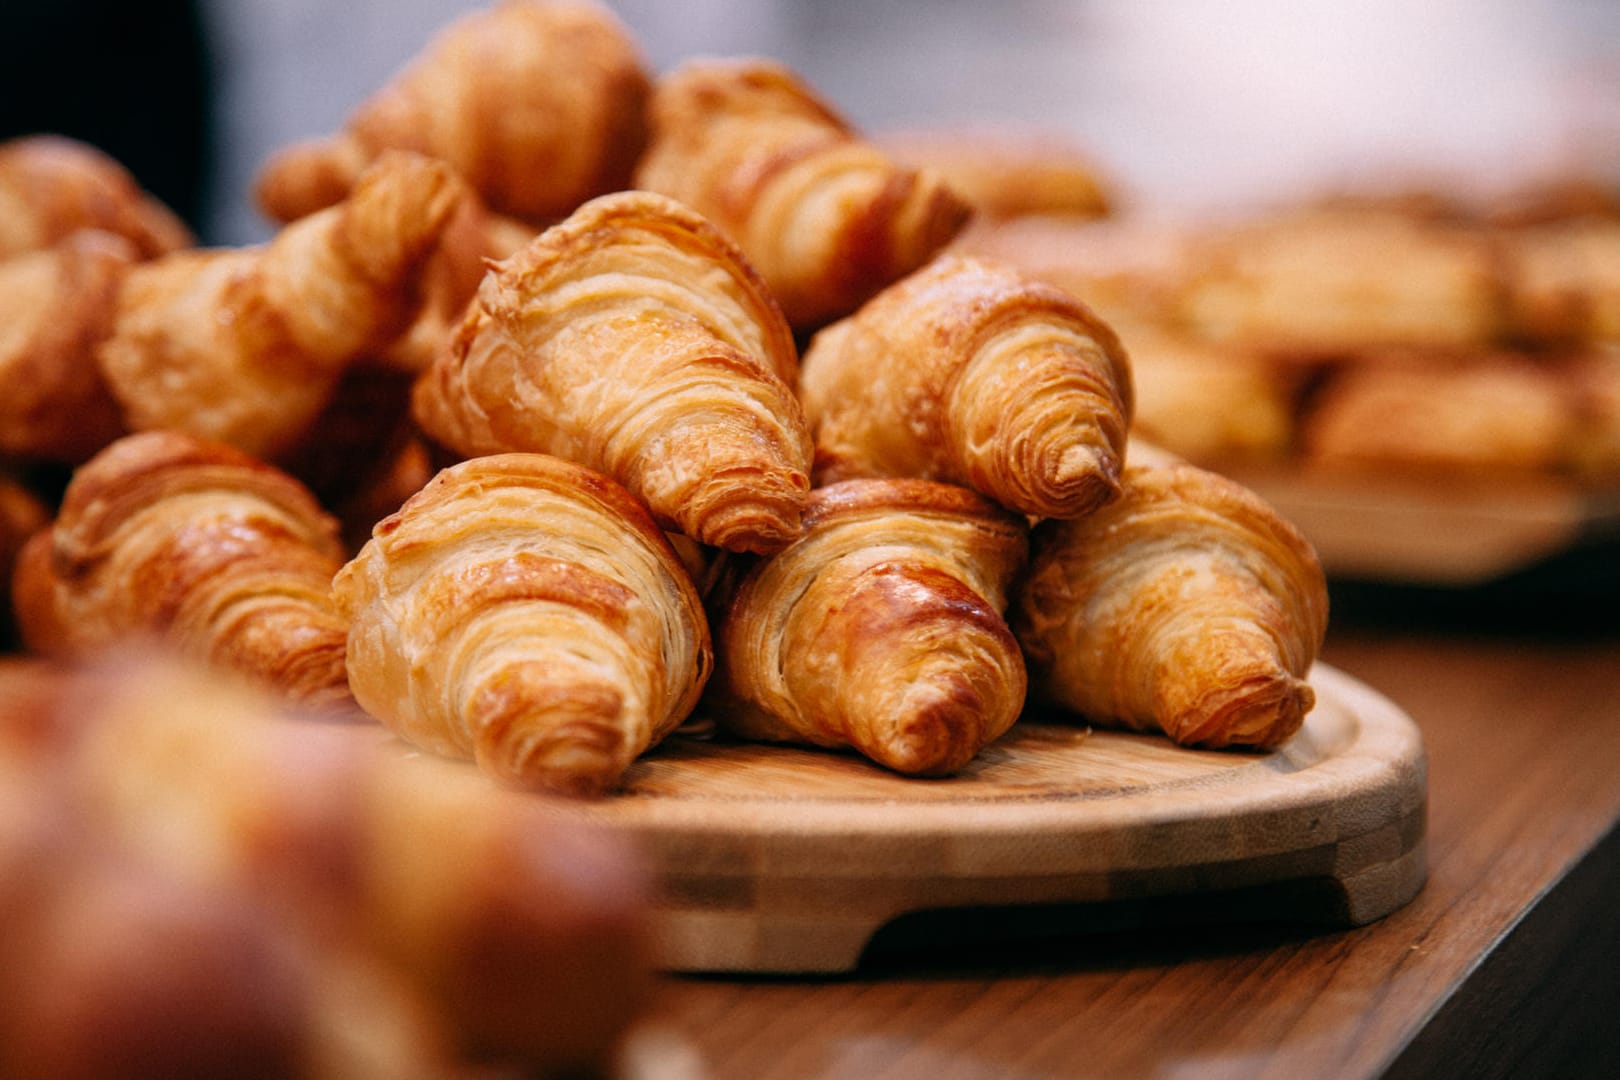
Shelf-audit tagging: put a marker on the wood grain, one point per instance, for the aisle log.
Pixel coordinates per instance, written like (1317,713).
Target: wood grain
(772,859)
(1523,742)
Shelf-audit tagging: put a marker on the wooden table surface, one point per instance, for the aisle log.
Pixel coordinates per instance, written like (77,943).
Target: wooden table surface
(1506,964)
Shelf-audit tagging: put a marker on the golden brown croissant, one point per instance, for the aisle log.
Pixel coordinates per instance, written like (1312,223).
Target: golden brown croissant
(1006,173)
(52,186)
(826,217)
(539,104)
(1187,606)
(482,915)
(56,306)
(525,612)
(634,339)
(231,560)
(880,629)
(969,373)
(245,345)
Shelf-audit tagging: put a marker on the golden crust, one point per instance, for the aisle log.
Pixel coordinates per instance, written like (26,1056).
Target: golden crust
(969,373)
(635,339)
(880,629)
(246,345)
(56,307)
(167,536)
(538,105)
(527,613)
(826,217)
(52,187)
(1187,606)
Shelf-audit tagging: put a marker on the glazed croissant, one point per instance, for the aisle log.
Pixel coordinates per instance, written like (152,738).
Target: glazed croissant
(1187,606)
(538,104)
(52,186)
(880,629)
(968,373)
(826,217)
(454,909)
(525,612)
(56,306)
(245,345)
(229,559)
(634,339)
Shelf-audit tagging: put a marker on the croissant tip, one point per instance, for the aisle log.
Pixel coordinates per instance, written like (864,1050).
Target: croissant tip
(1260,715)
(933,738)
(580,759)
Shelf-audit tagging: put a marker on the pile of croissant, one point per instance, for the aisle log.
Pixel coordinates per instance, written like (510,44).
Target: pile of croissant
(569,402)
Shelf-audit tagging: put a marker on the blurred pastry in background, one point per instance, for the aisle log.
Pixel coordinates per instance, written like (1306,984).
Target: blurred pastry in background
(51,186)
(538,104)
(823,213)
(1007,172)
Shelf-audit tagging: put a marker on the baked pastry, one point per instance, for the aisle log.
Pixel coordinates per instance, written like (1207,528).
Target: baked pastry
(1211,403)
(444,915)
(525,612)
(538,104)
(1496,411)
(969,373)
(245,345)
(56,306)
(1006,172)
(634,339)
(1316,283)
(1187,606)
(1565,281)
(228,559)
(826,216)
(52,186)
(879,629)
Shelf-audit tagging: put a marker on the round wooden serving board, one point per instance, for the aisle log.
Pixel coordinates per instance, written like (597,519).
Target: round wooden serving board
(777,859)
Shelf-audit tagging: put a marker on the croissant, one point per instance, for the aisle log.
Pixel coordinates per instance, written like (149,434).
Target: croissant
(244,345)
(52,186)
(539,105)
(880,628)
(449,908)
(826,216)
(525,612)
(634,339)
(228,558)
(968,373)
(1186,606)
(56,306)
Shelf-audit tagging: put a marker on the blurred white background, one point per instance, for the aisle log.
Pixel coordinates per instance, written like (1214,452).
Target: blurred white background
(1184,105)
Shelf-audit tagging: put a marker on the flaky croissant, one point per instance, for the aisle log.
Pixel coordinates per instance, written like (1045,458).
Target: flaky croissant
(539,104)
(826,216)
(56,307)
(635,339)
(1187,606)
(525,612)
(168,536)
(880,629)
(52,186)
(969,373)
(244,345)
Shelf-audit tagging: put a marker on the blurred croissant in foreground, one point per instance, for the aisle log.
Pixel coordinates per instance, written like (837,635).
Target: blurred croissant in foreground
(52,186)
(880,629)
(968,373)
(826,217)
(525,612)
(1186,606)
(635,339)
(228,559)
(245,345)
(195,879)
(538,104)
